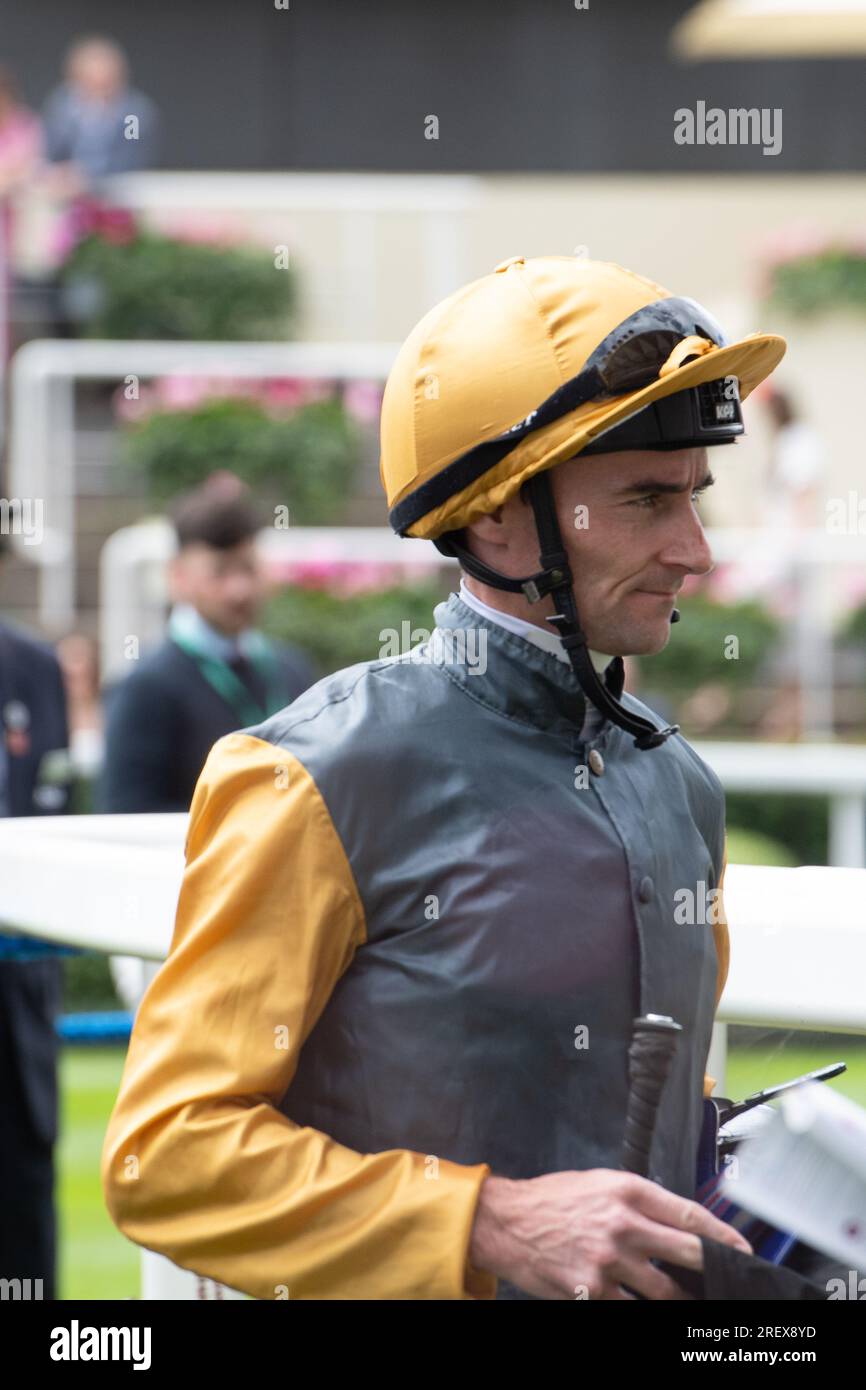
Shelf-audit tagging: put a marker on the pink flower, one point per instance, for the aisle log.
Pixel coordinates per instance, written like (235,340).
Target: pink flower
(116,225)
(363,399)
(365,578)
(855,590)
(89,217)
(182,392)
(346,578)
(277,396)
(281,395)
(721,585)
(208,229)
(794,242)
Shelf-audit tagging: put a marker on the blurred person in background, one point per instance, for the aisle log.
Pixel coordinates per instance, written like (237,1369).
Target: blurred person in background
(213,674)
(792,504)
(20,139)
(797,464)
(789,503)
(33,782)
(20,153)
(96,124)
(79,662)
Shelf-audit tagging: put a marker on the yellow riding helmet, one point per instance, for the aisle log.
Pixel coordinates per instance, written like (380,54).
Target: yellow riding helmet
(529,365)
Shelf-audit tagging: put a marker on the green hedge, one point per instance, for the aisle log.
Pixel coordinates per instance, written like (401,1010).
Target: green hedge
(340,631)
(751,847)
(695,653)
(831,279)
(152,286)
(854,630)
(306,460)
(88,986)
(797,822)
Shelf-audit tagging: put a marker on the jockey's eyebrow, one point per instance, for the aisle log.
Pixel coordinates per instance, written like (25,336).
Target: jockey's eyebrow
(659,485)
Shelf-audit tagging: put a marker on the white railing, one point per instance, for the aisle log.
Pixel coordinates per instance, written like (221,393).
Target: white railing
(834,770)
(42,462)
(110,883)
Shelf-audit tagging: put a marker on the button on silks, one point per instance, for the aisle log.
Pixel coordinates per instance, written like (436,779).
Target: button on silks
(512,260)
(646,889)
(596,762)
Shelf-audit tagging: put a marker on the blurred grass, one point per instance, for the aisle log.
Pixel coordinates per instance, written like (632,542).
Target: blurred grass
(94,1259)
(97,1262)
(780,1058)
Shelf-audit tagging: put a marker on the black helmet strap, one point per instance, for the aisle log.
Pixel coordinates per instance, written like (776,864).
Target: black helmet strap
(555,577)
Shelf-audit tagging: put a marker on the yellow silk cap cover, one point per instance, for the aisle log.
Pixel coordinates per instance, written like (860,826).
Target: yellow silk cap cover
(487,356)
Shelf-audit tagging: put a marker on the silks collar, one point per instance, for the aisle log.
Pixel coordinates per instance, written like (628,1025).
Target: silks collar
(512,676)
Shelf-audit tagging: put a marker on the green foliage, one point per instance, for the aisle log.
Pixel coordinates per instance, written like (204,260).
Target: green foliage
(854,630)
(695,654)
(95,1260)
(751,847)
(306,460)
(151,286)
(340,631)
(832,279)
(797,822)
(765,1057)
(88,984)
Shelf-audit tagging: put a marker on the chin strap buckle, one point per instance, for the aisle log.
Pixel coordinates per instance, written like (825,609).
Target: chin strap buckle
(555,575)
(570,640)
(657,737)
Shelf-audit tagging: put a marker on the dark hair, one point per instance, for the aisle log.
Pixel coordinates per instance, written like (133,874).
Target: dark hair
(781,407)
(220,514)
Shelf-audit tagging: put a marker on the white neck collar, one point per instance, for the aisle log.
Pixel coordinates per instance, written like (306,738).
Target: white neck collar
(545,638)
(548,641)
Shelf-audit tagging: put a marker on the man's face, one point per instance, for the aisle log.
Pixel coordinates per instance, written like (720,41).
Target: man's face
(632,531)
(226,586)
(97,71)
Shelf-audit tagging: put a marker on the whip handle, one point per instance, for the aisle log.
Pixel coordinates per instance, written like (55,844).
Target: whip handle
(653,1045)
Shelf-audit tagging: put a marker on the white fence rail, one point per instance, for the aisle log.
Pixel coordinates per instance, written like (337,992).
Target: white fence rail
(110,883)
(835,770)
(42,462)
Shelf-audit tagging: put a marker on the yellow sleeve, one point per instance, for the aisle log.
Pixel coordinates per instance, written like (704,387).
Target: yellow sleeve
(198,1164)
(723,952)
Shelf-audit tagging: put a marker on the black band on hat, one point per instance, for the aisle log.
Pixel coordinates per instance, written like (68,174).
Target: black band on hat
(478,461)
(626,360)
(699,416)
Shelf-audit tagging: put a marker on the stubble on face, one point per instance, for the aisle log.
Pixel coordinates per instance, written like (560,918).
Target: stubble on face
(632,531)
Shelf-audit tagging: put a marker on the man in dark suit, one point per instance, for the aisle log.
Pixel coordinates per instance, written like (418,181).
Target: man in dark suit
(214,673)
(34,781)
